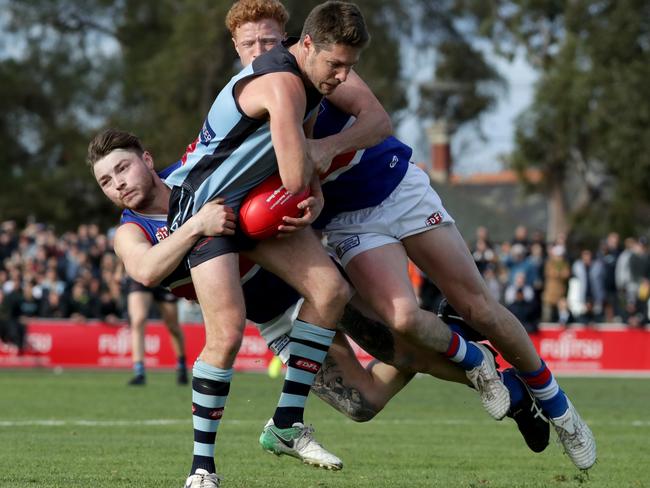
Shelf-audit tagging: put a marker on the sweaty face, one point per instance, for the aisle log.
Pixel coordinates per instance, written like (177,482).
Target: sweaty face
(125,178)
(330,66)
(254,38)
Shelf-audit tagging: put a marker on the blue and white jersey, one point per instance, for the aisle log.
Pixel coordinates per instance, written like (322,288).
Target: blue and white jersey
(361,179)
(233,152)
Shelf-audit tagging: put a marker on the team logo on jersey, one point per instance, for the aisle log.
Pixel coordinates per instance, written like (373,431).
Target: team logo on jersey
(207,134)
(162,233)
(346,245)
(434,219)
(393,162)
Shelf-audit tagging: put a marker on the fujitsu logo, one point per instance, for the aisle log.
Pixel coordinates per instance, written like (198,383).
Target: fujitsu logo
(568,346)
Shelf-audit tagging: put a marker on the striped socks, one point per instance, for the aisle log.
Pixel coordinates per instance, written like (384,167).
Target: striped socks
(542,384)
(210,387)
(307,350)
(464,353)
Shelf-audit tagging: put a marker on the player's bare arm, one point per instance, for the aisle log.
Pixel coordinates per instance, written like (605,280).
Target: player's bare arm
(149,264)
(281,97)
(372,123)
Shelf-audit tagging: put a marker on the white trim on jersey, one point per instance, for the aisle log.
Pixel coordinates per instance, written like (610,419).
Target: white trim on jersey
(161,217)
(353,162)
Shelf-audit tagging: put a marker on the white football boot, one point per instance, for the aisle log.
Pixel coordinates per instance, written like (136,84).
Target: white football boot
(298,441)
(576,438)
(202,479)
(485,378)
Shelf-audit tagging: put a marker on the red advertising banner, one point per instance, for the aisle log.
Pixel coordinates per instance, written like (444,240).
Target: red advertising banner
(616,350)
(98,345)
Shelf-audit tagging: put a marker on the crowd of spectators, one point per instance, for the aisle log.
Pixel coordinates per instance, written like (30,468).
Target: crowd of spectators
(545,281)
(77,276)
(542,281)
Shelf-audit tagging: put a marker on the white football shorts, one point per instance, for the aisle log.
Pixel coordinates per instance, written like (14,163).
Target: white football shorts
(412,208)
(276,332)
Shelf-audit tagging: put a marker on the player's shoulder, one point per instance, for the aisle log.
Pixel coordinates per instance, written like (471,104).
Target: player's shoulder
(132,231)
(277,59)
(135,227)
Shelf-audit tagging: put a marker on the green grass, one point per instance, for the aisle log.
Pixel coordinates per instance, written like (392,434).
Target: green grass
(432,434)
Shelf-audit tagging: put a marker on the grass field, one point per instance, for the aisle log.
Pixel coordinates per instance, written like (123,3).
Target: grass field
(87,429)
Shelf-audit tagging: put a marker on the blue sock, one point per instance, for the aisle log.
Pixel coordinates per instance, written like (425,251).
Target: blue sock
(180,363)
(514,386)
(466,354)
(138,368)
(542,384)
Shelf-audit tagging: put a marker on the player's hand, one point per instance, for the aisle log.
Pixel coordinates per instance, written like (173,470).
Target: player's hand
(215,219)
(321,154)
(311,208)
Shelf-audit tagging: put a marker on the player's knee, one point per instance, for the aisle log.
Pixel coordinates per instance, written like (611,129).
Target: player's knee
(406,318)
(334,296)
(138,323)
(225,344)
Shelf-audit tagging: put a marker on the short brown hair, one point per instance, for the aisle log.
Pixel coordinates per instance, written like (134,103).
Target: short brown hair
(110,139)
(255,10)
(336,22)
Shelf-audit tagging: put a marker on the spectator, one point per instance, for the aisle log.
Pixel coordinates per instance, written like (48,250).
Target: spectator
(54,304)
(519,299)
(521,237)
(493,283)
(519,286)
(536,261)
(590,289)
(517,263)
(483,255)
(556,275)
(611,251)
(82,304)
(639,266)
(564,315)
(623,273)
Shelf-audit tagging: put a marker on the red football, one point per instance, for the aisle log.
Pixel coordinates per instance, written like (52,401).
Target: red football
(262,210)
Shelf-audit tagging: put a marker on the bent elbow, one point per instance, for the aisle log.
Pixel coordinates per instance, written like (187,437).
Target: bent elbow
(147,279)
(295,185)
(385,127)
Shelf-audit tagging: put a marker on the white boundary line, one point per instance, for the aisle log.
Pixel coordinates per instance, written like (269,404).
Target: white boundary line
(166,422)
